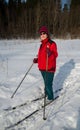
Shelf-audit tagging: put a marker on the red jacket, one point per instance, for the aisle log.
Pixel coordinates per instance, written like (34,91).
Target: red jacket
(47,56)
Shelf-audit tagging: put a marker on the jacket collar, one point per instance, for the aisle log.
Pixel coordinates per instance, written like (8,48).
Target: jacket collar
(45,41)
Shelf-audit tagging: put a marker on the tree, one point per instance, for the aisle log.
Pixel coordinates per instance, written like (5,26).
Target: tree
(3,17)
(57,18)
(75,18)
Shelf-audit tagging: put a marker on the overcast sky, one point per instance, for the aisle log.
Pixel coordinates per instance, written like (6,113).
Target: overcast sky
(63,2)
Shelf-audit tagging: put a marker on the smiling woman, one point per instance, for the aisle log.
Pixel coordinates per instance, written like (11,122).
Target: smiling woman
(46,60)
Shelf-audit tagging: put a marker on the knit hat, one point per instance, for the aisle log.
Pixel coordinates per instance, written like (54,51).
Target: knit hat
(43,29)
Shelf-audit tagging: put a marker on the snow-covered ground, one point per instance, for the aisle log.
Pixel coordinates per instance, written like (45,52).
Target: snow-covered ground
(16,57)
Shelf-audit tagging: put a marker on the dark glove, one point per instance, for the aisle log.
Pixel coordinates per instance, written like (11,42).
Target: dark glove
(48,51)
(35,60)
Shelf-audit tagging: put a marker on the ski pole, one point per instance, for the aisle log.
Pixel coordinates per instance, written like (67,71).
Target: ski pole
(22,80)
(44,115)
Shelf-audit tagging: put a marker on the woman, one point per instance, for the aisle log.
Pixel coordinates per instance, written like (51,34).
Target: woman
(46,60)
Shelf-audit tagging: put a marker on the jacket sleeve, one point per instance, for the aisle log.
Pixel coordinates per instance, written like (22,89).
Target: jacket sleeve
(54,49)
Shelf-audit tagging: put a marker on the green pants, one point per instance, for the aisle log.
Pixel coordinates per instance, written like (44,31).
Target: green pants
(48,80)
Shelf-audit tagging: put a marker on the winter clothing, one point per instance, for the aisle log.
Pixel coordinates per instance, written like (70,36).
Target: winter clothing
(46,60)
(48,79)
(49,48)
(43,29)
(35,60)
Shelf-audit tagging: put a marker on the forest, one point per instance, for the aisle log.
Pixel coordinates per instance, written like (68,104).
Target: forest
(23,19)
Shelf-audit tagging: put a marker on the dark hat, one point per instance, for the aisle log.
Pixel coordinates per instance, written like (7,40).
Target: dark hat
(43,29)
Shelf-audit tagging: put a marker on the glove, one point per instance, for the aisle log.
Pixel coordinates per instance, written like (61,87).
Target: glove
(35,60)
(48,51)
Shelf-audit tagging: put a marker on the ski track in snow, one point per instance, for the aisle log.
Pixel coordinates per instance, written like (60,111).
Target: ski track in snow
(61,115)
(55,109)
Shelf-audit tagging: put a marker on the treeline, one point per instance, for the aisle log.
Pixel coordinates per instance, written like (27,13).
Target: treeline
(23,19)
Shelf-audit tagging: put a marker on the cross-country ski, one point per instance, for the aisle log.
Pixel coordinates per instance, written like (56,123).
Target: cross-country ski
(39,64)
(31,114)
(15,59)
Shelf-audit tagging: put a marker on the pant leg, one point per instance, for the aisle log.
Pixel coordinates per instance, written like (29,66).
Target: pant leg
(48,80)
(44,78)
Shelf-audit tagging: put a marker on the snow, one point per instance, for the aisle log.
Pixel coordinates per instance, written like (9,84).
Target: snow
(16,57)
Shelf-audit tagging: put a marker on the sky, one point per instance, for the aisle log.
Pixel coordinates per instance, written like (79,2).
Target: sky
(63,1)
(8,0)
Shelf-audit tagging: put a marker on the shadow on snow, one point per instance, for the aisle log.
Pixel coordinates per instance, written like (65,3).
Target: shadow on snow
(63,73)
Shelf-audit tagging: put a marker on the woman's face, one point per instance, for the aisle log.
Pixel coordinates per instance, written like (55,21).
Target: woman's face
(43,36)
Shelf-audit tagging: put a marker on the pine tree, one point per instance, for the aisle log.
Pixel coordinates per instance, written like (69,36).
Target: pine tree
(75,3)
(3,18)
(57,18)
(75,18)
